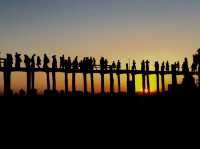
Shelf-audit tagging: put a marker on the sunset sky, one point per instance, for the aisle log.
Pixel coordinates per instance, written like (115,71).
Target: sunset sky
(117,29)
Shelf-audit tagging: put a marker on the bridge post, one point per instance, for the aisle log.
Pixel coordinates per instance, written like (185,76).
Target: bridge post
(8,82)
(157,82)
(73,82)
(85,82)
(119,82)
(163,82)
(28,83)
(174,79)
(48,80)
(66,84)
(148,83)
(133,80)
(111,81)
(92,82)
(143,81)
(127,80)
(33,79)
(7,78)
(5,83)
(54,79)
(102,82)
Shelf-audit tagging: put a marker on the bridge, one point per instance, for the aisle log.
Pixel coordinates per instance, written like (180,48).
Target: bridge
(131,80)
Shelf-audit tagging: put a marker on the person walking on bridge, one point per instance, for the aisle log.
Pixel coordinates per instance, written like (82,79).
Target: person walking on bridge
(54,63)
(33,61)
(46,61)
(18,60)
(38,62)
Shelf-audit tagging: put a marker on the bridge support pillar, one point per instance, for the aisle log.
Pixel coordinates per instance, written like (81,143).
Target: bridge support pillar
(48,81)
(92,83)
(66,84)
(54,80)
(74,83)
(119,83)
(111,82)
(163,83)
(85,82)
(158,83)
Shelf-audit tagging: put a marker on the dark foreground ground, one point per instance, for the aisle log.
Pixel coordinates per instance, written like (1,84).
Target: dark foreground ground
(107,98)
(103,100)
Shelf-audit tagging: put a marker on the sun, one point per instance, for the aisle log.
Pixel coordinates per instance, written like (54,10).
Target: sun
(146,90)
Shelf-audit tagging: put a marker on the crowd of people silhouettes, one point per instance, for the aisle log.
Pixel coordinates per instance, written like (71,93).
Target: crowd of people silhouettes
(89,63)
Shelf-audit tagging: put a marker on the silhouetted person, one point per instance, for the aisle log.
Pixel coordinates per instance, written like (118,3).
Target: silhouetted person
(188,81)
(106,64)
(46,61)
(143,66)
(194,67)
(38,62)
(163,67)
(195,62)
(33,61)
(134,65)
(27,61)
(147,65)
(94,62)
(81,65)
(167,66)
(113,65)
(178,66)
(91,63)
(102,63)
(69,63)
(118,65)
(54,62)
(9,60)
(18,60)
(62,61)
(75,63)
(84,64)
(156,66)
(185,67)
